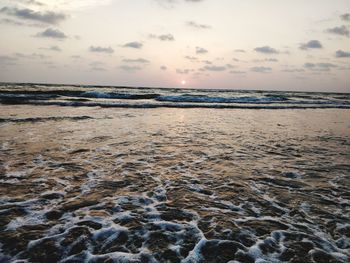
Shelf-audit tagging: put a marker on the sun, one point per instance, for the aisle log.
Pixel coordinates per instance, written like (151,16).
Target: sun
(183,82)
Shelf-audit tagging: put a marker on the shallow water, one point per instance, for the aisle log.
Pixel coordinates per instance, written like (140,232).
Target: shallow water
(174,185)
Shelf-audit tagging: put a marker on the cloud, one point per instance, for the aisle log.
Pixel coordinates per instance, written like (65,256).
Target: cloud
(345,17)
(52,33)
(98,69)
(240,50)
(213,68)
(7,60)
(319,66)
(34,2)
(99,49)
(192,59)
(30,56)
(261,69)
(342,54)
(48,17)
(266,50)
(312,44)
(339,30)
(197,25)
(183,71)
(31,2)
(163,37)
(171,3)
(96,63)
(163,68)
(53,48)
(237,72)
(207,62)
(200,50)
(138,60)
(293,70)
(130,68)
(137,45)
(265,60)
(11,22)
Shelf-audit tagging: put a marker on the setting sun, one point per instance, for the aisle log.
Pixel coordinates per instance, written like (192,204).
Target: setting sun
(183,82)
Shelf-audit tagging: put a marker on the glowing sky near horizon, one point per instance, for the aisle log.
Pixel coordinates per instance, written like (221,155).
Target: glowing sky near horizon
(254,44)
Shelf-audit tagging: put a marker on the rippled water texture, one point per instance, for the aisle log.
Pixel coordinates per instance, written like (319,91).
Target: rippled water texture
(127,97)
(174,185)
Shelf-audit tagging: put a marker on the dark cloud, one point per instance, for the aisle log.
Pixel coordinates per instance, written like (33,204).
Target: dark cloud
(339,30)
(197,25)
(261,69)
(240,50)
(163,68)
(207,62)
(266,50)
(342,54)
(319,66)
(312,44)
(135,44)
(138,60)
(48,17)
(52,33)
(230,66)
(200,50)
(163,37)
(345,17)
(99,49)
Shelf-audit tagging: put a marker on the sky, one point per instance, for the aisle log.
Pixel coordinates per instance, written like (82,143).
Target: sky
(226,44)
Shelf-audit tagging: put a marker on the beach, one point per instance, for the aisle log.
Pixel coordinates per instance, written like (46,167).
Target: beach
(104,184)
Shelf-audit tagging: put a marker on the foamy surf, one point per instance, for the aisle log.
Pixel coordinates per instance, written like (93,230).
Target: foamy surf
(174,185)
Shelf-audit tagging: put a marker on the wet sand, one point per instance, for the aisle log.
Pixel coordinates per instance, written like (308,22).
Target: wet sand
(174,185)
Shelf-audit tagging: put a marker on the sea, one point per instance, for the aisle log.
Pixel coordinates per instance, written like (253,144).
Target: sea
(151,175)
(134,97)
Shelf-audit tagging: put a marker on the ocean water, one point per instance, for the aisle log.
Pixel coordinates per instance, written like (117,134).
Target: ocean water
(176,98)
(132,182)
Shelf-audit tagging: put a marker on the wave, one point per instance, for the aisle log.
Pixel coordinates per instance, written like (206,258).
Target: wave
(43,119)
(124,97)
(111,95)
(205,99)
(71,93)
(15,101)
